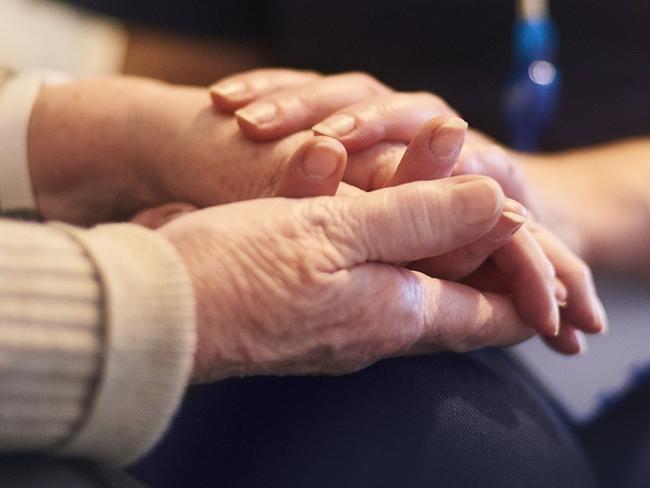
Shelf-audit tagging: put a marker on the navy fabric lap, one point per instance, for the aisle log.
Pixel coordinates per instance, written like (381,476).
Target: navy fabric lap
(440,420)
(618,440)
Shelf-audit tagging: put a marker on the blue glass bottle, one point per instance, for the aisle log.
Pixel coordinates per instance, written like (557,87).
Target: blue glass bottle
(532,93)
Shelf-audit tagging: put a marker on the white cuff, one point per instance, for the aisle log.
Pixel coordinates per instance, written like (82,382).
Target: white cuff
(16,101)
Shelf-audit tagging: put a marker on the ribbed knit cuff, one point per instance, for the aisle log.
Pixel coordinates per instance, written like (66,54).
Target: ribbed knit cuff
(50,335)
(149,317)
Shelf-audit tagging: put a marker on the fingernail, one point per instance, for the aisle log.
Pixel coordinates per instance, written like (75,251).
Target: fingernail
(258,113)
(321,161)
(476,201)
(447,140)
(561,295)
(555,321)
(230,89)
(511,206)
(513,216)
(338,126)
(582,342)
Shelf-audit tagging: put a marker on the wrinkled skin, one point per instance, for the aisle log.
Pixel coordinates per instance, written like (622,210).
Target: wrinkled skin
(315,285)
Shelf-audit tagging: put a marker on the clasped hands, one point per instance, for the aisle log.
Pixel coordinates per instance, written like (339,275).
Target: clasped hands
(411,253)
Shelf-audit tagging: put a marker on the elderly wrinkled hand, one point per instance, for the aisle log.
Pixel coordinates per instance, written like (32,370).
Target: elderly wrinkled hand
(315,285)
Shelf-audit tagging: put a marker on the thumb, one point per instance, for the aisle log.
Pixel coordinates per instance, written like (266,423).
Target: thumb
(433,152)
(415,220)
(315,169)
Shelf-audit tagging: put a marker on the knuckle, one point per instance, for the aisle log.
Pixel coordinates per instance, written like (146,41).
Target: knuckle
(429,97)
(312,74)
(361,76)
(257,76)
(331,227)
(295,103)
(498,152)
(256,72)
(276,72)
(319,213)
(365,79)
(435,101)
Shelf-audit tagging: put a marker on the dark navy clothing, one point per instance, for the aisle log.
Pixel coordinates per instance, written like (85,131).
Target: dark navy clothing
(40,472)
(444,420)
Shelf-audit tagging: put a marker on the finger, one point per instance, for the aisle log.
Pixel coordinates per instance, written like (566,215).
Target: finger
(372,168)
(532,281)
(433,152)
(155,217)
(345,190)
(488,278)
(239,90)
(460,318)
(561,293)
(394,117)
(569,341)
(414,313)
(492,160)
(299,107)
(315,169)
(387,164)
(461,262)
(412,221)
(583,309)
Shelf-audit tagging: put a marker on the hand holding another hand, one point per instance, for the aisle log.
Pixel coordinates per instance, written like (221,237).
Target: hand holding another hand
(389,252)
(394,120)
(315,285)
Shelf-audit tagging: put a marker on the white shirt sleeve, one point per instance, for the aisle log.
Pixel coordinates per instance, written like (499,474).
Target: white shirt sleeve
(17,97)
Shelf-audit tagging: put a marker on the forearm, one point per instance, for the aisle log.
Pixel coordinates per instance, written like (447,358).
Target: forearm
(598,199)
(103,149)
(84,144)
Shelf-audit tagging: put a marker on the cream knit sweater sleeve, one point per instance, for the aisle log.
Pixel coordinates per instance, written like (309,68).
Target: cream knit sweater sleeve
(97,335)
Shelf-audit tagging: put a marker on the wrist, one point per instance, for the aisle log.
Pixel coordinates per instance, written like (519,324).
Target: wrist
(83,148)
